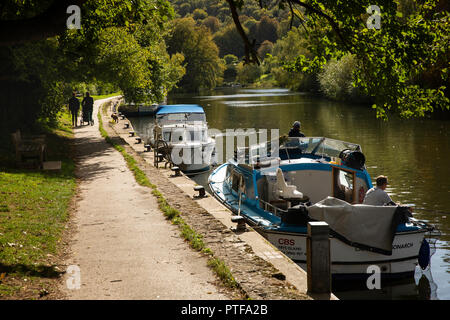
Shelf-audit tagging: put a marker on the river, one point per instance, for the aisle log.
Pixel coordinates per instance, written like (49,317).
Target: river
(412,153)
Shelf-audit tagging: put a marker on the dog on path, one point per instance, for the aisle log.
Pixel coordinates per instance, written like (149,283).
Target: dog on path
(115,117)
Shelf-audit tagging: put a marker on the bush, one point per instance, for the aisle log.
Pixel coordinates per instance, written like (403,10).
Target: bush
(249,73)
(337,77)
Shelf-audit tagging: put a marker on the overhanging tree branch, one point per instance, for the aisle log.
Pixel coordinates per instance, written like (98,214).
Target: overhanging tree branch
(330,20)
(49,23)
(250,52)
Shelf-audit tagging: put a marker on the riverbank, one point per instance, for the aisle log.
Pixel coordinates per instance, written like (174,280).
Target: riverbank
(34,211)
(261,271)
(122,246)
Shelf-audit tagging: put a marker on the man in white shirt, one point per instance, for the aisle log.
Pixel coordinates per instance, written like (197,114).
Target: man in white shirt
(377,196)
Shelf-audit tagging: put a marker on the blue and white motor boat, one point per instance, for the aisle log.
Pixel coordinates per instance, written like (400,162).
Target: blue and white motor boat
(184,129)
(320,179)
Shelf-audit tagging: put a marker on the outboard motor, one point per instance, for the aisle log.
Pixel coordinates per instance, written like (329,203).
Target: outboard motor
(353,159)
(296,215)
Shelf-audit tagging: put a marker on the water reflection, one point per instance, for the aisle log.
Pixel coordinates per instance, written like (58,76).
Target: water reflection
(427,288)
(413,153)
(421,287)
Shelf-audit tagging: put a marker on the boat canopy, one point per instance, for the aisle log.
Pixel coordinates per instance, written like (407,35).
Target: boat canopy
(294,148)
(179,108)
(176,113)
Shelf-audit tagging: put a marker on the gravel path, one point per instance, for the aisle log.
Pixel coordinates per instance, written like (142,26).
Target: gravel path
(123,246)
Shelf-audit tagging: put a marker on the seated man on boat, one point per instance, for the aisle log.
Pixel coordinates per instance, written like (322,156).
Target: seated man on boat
(295,130)
(377,196)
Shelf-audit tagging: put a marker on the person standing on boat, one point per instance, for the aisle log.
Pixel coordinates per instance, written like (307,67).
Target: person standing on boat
(295,130)
(377,196)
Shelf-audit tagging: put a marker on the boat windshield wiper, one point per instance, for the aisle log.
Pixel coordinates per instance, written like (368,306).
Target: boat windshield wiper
(318,145)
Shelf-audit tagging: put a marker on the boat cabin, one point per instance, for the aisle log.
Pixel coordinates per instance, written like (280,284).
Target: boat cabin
(180,113)
(299,170)
(184,133)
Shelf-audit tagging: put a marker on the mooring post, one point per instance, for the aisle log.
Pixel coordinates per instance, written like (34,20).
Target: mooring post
(318,258)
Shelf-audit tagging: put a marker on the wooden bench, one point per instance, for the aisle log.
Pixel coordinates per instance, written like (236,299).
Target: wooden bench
(29,147)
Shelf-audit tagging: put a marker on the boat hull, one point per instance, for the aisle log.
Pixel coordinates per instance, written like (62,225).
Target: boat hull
(193,158)
(351,262)
(348,262)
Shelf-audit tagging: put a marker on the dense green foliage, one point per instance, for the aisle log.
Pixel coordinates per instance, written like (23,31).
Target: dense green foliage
(204,68)
(120,46)
(403,65)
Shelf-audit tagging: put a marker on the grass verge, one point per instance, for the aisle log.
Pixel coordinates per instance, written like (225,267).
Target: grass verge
(34,210)
(104,96)
(194,239)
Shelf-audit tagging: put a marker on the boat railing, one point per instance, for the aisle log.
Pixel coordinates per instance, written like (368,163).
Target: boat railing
(266,206)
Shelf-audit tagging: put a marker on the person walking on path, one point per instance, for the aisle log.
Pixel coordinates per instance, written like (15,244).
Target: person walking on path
(123,247)
(74,107)
(88,108)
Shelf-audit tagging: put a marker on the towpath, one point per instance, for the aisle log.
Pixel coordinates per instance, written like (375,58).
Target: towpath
(123,246)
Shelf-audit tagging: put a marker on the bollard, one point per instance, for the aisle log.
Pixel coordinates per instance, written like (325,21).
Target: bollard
(147,148)
(177,171)
(127,125)
(122,116)
(318,258)
(240,221)
(159,157)
(138,140)
(131,133)
(200,190)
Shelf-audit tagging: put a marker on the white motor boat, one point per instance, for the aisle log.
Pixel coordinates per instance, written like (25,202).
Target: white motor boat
(183,131)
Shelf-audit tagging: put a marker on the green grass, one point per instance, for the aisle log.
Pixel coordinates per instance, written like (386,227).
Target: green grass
(194,239)
(104,96)
(223,272)
(34,211)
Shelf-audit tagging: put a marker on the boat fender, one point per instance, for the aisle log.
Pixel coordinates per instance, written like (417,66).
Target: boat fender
(424,255)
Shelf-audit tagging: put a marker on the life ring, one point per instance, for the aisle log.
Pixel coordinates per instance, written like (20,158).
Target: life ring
(362,194)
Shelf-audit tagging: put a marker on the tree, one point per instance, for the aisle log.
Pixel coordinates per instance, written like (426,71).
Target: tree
(230,72)
(204,68)
(229,41)
(120,42)
(212,23)
(265,48)
(267,30)
(199,14)
(392,59)
(336,79)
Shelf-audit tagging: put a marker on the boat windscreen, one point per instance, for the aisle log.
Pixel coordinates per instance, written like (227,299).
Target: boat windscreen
(180,117)
(307,145)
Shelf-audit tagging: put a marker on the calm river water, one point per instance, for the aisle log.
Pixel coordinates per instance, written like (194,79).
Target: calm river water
(412,153)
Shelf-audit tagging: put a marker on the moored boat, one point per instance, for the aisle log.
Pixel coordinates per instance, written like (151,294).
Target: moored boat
(184,131)
(279,187)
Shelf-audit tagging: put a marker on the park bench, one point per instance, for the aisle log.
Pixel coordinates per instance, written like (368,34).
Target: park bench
(29,147)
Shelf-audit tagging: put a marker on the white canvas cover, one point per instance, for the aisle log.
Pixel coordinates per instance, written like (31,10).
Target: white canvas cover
(361,225)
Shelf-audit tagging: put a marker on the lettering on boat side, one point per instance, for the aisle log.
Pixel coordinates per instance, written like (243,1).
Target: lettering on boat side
(374,280)
(403,245)
(230,309)
(290,242)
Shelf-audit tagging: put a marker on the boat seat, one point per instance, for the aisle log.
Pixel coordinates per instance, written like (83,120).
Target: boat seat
(285,191)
